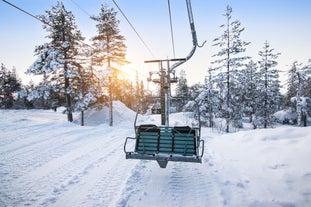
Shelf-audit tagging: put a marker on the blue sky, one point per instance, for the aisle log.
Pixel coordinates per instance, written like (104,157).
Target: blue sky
(285,24)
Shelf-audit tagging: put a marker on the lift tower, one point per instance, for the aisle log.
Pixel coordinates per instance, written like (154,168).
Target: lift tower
(164,78)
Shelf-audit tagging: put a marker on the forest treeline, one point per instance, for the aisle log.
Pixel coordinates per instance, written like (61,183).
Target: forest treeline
(79,76)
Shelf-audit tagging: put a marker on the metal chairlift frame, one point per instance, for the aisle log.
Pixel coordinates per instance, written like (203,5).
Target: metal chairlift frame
(165,143)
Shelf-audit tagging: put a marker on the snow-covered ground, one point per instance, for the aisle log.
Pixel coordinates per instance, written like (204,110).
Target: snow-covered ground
(46,161)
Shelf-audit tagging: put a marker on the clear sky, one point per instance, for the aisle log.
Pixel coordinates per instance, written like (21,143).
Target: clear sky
(285,24)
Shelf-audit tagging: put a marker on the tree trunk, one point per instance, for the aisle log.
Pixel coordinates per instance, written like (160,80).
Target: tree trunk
(228,75)
(82,118)
(266,96)
(68,100)
(110,104)
(304,118)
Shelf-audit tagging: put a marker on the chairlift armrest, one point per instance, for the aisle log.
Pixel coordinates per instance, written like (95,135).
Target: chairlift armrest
(202,151)
(124,147)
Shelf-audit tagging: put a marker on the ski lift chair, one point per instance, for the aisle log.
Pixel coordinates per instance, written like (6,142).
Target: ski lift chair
(163,144)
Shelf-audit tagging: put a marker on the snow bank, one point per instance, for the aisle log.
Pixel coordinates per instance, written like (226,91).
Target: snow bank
(267,167)
(121,114)
(175,119)
(286,116)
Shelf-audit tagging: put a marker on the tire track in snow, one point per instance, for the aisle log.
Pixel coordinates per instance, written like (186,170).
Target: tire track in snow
(180,184)
(75,172)
(30,156)
(193,184)
(133,186)
(103,181)
(66,168)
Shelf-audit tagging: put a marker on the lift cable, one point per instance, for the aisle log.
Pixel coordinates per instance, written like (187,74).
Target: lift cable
(81,8)
(171,26)
(128,21)
(22,10)
(41,20)
(88,14)
(46,23)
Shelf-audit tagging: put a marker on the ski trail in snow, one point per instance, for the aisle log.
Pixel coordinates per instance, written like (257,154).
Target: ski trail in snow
(63,163)
(103,181)
(46,161)
(180,184)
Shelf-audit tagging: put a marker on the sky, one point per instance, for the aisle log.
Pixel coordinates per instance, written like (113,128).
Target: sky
(285,24)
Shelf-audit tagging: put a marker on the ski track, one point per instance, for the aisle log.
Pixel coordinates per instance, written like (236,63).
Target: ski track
(180,184)
(62,167)
(72,165)
(78,165)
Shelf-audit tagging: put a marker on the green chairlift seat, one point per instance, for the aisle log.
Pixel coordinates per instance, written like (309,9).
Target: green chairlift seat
(163,144)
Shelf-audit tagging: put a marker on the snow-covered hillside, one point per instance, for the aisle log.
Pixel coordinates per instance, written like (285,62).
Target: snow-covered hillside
(46,161)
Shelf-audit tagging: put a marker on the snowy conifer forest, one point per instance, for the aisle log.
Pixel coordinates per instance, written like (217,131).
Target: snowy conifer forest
(61,141)
(81,76)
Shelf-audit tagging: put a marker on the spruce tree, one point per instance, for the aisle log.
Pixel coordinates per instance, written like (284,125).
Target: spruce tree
(9,84)
(250,78)
(306,91)
(231,48)
(297,89)
(292,84)
(182,90)
(270,84)
(57,58)
(109,48)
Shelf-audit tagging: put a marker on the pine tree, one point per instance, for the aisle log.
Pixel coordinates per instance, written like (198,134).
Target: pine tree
(297,83)
(182,90)
(231,47)
(270,84)
(57,59)
(250,78)
(109,48)
(292,84)
(86,90)
(9,84)
(306,91)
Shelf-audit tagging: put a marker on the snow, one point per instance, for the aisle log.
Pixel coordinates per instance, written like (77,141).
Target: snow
(286,115)
(46,161)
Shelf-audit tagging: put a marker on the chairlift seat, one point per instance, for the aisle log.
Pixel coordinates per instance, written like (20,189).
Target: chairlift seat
(163,144)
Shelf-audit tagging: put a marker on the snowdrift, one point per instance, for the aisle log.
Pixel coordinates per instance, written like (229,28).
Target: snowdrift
(121,114)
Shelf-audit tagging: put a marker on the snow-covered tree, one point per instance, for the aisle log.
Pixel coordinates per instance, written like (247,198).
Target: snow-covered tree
(57,59)
(139,101)
(292,84)
(86,82)
(250,78)
(269,84)
(9,84)
(230,54)
(296,91)
(307,84)
(182,90)
(109,48)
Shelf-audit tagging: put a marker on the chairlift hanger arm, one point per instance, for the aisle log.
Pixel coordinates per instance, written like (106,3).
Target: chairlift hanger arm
(194,37)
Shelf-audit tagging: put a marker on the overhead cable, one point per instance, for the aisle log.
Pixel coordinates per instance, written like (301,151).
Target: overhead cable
(128,21)
(81,8)
(22,10)
(171,25)
(41,20)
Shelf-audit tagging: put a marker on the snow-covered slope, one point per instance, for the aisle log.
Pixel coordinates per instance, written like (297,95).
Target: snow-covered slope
(46,161)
